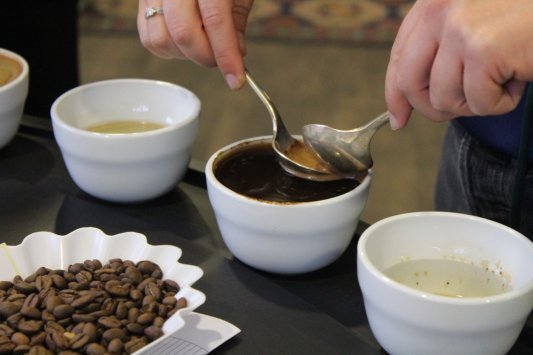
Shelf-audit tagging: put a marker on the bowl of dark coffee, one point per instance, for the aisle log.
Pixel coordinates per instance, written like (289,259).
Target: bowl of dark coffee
(14,76)
(274,221)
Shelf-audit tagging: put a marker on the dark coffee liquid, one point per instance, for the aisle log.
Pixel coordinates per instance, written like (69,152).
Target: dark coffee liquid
(253,170)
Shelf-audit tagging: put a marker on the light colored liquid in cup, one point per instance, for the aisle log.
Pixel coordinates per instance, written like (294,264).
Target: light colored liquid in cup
(129,126)
(9,69)
(449,278)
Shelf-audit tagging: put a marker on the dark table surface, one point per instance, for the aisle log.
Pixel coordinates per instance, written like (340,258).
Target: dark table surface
(316,313)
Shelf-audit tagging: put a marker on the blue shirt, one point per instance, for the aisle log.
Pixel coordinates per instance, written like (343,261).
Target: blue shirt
(501,132)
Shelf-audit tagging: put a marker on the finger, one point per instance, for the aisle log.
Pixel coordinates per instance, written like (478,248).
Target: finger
(446,91)
(397,104)
(152,30)
(491,91)
(185,27)
(241,11)
(217,18)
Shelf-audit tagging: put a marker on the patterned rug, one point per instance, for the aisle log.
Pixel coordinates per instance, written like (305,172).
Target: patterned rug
(363,21)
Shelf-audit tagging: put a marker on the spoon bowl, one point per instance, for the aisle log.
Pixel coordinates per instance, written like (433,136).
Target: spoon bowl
(294,156)
(347,152)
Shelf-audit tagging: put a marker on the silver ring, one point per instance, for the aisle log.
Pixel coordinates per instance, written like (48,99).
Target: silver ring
(152,11)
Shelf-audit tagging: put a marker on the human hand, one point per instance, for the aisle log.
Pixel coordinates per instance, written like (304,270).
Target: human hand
(460,58)
(209,33)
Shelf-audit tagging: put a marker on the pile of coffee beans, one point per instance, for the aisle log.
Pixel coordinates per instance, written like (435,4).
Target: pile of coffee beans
(90,308)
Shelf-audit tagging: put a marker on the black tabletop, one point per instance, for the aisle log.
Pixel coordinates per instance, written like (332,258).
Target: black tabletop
(316,313)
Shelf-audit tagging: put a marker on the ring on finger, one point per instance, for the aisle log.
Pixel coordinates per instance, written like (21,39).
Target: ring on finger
(152,11)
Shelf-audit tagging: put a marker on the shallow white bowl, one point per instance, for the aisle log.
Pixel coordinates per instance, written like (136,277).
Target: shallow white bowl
(59,251)
(285,238)
(12,98)
(406,320)
(130,167)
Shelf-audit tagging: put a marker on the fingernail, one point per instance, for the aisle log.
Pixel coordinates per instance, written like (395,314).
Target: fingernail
(242,43)
(233,81)
(394,124)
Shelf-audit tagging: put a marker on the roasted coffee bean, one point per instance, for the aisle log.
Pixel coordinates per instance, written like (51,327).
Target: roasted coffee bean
(169,301)
(6,346)
(69,277)
(153,290)
(115,346)
(7,309)
(109,322)
(159,321)
(91,308)
(30,327)
(20,338)
(24,287)
(43,282)
(95,349)
(153,332)
(135,328)
(84,276)
(171,286)
(83,301)
(116,288)
(59,281)
(6,330)
(114,333)
(122,310)
(21,349)
(133,274)
(40,350)
(63,311)
(31,312)
(52,302)
(79,341)
(79,318)
(134,344)
(136,295)
(38,339)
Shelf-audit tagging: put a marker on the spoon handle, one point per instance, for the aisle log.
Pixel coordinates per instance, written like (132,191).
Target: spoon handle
(277,124)
(368,130)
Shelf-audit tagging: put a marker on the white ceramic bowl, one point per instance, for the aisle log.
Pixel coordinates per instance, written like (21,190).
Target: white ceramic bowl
(129,167)
(12,98)
(285,238)
(406,320)
(59,251)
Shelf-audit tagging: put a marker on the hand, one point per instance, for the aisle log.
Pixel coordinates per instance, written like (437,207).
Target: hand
(209,33)
(460,58)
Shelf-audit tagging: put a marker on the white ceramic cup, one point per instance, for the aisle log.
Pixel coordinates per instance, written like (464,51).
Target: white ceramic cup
(406,320)
(12,98)
(128,167)
(285,238)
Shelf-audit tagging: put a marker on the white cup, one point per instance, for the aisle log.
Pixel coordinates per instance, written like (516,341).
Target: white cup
(12,98)
(410,320)
(285,238)
(126,167)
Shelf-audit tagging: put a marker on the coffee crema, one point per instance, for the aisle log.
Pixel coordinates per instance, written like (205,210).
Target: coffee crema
(253,170)
(10,69)
(125,126)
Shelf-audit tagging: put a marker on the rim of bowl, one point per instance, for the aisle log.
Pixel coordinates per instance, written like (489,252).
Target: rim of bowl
(23,74)
(211,176)
(502,297)
(97,135)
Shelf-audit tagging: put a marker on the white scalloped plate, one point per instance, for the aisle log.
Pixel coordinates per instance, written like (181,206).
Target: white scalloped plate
(59,251)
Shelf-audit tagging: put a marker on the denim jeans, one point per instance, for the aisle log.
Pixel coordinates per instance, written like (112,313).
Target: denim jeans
(477,180)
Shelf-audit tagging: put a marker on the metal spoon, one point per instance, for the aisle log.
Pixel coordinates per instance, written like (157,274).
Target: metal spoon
(346,152)
(294,156)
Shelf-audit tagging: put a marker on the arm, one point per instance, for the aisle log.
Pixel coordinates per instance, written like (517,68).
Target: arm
(209,33)
(460,58)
